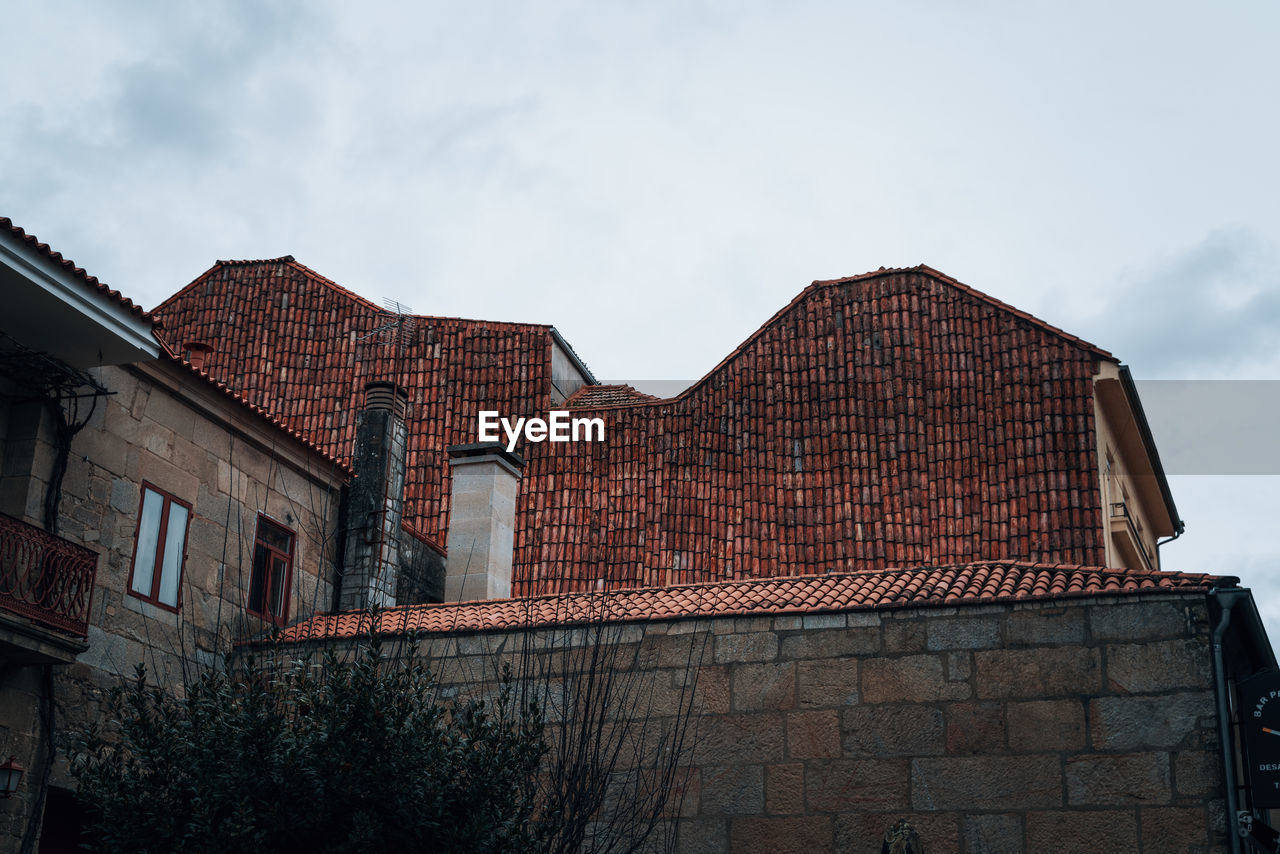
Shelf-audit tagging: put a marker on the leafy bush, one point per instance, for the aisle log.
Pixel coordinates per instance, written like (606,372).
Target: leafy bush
(347,755)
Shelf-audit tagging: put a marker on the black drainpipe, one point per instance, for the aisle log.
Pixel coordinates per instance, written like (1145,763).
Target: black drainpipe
(1225,600)
(1178,529)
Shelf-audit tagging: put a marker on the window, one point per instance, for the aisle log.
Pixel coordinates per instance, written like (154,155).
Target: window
(272,572)
(160,547)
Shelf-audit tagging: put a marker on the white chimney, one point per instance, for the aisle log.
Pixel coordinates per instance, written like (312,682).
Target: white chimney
(482,515)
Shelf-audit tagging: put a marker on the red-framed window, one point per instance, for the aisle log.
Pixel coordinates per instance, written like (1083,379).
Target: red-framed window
(272,571)
(159,548)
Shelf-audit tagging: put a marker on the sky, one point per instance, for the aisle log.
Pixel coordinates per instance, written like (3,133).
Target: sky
(657,179)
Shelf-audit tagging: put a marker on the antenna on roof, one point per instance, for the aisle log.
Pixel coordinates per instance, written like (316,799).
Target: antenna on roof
(403,322)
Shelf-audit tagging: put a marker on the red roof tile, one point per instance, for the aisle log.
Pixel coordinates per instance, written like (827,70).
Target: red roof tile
(977,583)
(894,418)
(595,396)
(76,272)
(257,411)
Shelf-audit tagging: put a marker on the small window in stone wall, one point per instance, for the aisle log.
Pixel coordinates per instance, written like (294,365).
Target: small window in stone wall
(272,572)
(160,548)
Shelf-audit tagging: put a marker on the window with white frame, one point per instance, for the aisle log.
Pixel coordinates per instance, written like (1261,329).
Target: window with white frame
(159,548)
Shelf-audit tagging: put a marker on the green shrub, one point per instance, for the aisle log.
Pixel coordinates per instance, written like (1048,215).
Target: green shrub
(349,755)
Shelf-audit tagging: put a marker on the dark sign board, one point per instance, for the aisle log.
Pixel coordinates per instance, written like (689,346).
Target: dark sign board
(1259,712)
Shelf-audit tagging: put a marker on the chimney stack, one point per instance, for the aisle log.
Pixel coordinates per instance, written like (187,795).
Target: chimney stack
(197,352)
(375,501)
(482,514)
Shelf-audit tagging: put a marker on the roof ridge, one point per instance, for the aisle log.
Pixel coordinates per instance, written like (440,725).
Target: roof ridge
(245,262)
(818,284)
(985,297)
(341,290)
(77,271)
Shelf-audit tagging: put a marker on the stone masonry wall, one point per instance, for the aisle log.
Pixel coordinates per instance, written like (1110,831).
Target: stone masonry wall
(1080,726)
(147,432)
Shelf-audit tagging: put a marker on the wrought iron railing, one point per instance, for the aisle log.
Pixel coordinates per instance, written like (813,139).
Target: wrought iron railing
(45,578)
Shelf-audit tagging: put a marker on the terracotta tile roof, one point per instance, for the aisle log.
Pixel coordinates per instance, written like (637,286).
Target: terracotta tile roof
(302,347)
(888,419)
(892,419)
(607,395)
(202,375)
(78,273)
(978,583)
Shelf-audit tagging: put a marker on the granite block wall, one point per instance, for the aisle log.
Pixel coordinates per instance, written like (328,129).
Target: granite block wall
(1082,725)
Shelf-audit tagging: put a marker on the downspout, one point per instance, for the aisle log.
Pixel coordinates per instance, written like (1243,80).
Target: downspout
(1225,599)
(1177,532)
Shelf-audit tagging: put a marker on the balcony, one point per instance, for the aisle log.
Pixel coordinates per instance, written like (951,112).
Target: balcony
(1128,539)
(49,582)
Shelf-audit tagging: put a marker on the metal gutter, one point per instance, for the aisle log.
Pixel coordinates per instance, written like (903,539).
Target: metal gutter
(1149,442)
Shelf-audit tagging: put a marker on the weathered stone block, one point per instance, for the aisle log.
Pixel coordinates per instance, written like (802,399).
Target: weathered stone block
(1134,778)
(666,650)
(911,678)
(745,738)
(1133,723)
(826,682)
(895,730)
(831,643)
(169,477)
(1079,831)
(985,783)
(780,835)
(963,633)
(1037,726)
(824,621)
(732,790)
(1137,621)
(711,693)
(992,834)
(784,789)
(1197,772)
(975,728)
(1037,673)
(1037,627)
(124,496)
(704,836)
(1180,829)
(813,734)
(770,686)
(959,666)
(162,408)
(1158,666)
(841,785)
(904,636)
(757,646)
(747,625)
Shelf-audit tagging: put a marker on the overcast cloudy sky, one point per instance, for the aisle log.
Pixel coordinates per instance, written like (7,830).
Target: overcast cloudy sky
(658,178)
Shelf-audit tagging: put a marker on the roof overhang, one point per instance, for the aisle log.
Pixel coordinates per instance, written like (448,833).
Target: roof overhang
(50,310)
(1118,397)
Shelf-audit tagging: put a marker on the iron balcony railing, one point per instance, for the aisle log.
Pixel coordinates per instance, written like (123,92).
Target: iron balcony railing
(45,578)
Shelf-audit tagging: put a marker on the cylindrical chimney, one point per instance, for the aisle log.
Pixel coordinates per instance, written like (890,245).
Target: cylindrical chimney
(386,397)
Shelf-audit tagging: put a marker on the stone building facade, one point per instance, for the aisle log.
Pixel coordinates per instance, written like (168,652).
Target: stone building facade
(145,543)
